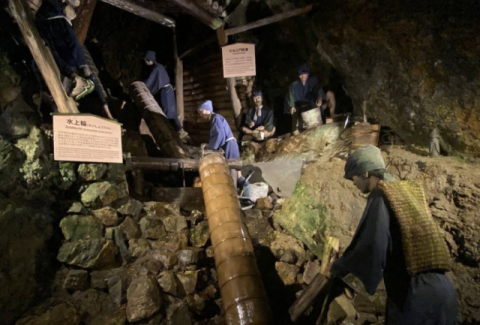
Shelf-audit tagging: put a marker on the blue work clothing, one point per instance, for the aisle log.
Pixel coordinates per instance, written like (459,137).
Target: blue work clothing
(60,37)
(265,119)
(158,82)
(221,136)
(376,252)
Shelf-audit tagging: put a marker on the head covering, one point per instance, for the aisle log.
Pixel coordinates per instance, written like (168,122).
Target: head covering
(150,56)
(257,93)
(207,105)
(362,160)
(303,69)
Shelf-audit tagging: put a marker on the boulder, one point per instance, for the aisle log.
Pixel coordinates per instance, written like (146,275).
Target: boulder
(99,195)
(188,281)
(287,272)
(161,209)
(18,119)
(130,229)
(58,315)
(81,227)
(88,253)
(311,270)
(77,208)
(259,227)
(168,258)
(128,207)
(91,172)
(34,145)
(99,279)
(175,222)
(168,282)
(116,176)
(178,314)
(288,257)
(143,298)
(138,247)
(200,234)
(152,228)
(283,242)
(10,161)
(76,280)
(189,255)
(108,216)
(341,311)
(172,242)
(98,308)
(68,174)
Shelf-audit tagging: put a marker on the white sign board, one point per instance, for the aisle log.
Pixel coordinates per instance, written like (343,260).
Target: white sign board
(86,138)
(238,60)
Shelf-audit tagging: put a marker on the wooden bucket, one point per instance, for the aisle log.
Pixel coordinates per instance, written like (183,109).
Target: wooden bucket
(312,118)
(364,134)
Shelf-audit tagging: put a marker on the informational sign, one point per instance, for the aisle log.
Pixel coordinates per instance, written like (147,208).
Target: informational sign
(238,60)
(86,138)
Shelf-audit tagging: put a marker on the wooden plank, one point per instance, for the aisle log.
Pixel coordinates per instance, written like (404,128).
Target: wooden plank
(189,198)
(22,14)
(194,9)
(148,14)
(268,20)
(84,16)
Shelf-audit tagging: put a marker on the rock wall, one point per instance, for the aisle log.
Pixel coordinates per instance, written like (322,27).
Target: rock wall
(415,62)
(325,204)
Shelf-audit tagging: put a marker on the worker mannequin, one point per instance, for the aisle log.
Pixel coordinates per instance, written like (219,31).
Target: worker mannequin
(158,82)
(259,119)
(221,136)
(418,289)
(303,95)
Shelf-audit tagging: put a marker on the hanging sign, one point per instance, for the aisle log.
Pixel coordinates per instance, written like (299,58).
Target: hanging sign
(86,138)
(238,60)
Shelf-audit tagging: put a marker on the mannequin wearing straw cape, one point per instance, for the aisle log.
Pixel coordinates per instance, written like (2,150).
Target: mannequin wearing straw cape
(398,240)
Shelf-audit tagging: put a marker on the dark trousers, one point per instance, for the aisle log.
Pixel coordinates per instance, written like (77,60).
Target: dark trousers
(63,43)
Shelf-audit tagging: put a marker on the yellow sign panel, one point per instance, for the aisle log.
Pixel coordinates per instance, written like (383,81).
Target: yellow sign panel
(86,138)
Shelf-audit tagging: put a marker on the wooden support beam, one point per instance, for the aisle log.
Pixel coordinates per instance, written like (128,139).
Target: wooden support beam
(84,16)
(236,105)
(268,20)
(135,9)
(198,47)
(22,14)
(195,10)
(173,164)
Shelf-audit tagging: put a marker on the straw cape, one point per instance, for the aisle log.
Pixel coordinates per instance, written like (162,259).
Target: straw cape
(423,245)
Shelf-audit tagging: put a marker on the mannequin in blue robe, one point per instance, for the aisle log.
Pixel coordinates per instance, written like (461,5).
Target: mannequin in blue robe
(158,82)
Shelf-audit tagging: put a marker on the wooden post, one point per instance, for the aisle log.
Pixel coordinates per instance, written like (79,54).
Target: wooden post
(268,20)
(84,17)
(178,80)
(231,82)
(179,86)
(22,14)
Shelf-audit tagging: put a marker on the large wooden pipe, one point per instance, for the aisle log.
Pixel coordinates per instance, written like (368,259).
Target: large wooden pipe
(243,295)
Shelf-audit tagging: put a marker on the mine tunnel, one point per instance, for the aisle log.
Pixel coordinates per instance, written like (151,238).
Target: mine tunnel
(211,162)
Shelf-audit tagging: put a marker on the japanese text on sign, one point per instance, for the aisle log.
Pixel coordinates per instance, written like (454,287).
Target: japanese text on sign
(238,60)
(86,138)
